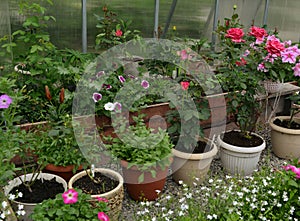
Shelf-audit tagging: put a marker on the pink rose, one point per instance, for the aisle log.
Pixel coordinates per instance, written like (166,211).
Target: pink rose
(274,46)
(258,33)
(236,34)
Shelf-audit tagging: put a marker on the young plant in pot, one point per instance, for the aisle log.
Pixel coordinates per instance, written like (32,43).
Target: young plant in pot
(101,183)
(30,183)
(192,152)
(285,132)
(144,155)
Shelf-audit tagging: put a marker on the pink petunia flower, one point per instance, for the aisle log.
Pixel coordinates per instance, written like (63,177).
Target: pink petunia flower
(145,84)
(102,216)
(296,70)
(5,101)
(70,196)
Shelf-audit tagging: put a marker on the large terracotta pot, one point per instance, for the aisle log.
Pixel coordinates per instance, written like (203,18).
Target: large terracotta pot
(29,207)
(150,187)
(285,142)
(114,197)
(192,168)
(239,160)
(65,172)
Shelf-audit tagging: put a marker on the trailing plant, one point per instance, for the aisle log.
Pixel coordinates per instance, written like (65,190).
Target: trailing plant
(71,205)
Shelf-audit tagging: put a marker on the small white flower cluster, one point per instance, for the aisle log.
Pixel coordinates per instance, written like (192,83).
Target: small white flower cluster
(262,196)
(5,211)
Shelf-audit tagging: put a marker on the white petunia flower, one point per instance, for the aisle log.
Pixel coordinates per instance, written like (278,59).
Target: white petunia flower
(4,204)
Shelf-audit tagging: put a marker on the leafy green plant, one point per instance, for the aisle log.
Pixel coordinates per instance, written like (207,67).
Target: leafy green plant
(71,205)
(139,145)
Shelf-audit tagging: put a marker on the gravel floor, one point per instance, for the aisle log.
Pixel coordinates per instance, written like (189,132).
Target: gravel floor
(267,158)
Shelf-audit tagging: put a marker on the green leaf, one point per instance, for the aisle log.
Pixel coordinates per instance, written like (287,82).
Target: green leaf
(141,178)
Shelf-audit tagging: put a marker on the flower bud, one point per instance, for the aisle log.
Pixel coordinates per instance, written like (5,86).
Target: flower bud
(48,94)
(62,95)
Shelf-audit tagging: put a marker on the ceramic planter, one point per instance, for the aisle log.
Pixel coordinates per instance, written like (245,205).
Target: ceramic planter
(28,207)
(149,188)
(114,197)
(187,166)
(239,160)
(285,142)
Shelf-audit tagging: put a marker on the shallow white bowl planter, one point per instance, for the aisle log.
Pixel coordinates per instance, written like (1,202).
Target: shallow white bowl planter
(29,207)
(285,142)
(239,160)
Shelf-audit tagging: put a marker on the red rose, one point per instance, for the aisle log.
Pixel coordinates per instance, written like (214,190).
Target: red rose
(242,62)
(258,33)
(274,46)
(236,34)
(118,33)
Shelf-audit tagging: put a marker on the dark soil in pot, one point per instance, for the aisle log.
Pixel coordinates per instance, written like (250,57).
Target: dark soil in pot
(102,185)
(200,148)
(284,123)
(236,138)
(41,190)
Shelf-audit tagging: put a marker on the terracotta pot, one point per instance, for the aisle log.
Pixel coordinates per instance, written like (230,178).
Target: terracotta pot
(29,207)
(239,160)
(285,142)
(114,197)
(146,190)
(188,166)
(65,172)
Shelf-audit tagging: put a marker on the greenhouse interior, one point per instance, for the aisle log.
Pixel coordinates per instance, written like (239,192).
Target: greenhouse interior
(149,110)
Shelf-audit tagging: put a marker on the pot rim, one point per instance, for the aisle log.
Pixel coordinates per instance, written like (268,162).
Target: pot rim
(198,156)
(283,129)
(114,173)
(16,182)
(238,149)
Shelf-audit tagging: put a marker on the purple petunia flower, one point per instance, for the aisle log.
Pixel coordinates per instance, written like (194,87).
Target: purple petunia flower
(145,84)
(107,86)
(97,97)
(117,107)
(100,73)
(122,79)
(5,101)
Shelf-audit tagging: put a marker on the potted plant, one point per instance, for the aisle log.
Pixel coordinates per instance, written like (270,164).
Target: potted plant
(144,156)
(192,152)
(71,205)
(240,150)
(60,150)
(101,183)
(285,132)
